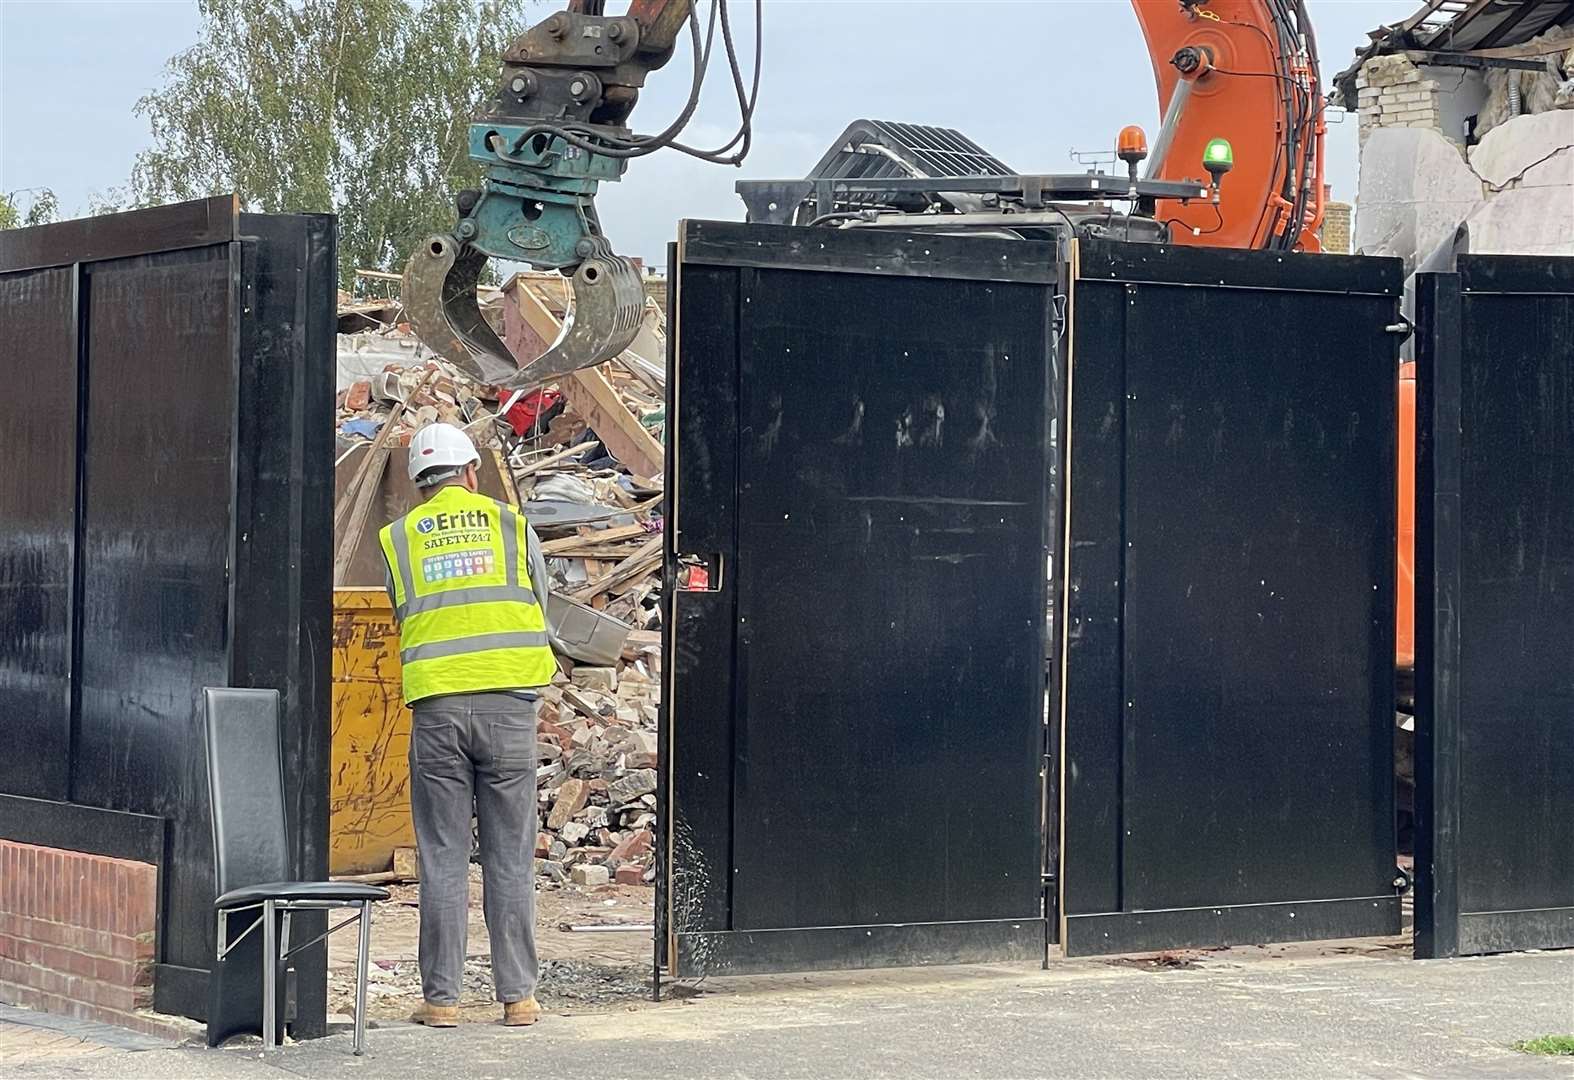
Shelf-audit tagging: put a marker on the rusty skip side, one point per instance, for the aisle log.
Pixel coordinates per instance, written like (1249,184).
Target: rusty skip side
(369,793)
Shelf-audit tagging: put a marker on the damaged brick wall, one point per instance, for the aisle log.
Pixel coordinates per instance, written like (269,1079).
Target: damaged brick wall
(1442,148)
(1393,93)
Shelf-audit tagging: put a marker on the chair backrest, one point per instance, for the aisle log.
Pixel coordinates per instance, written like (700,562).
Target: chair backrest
(251,844)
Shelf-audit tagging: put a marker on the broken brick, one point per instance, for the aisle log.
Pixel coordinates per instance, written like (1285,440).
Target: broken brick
(632,846)
(586,874)
(571,798)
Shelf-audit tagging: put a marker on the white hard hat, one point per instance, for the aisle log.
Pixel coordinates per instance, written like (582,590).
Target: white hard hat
(439,451)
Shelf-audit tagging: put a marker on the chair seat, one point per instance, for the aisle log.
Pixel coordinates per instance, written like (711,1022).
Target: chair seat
(299,890)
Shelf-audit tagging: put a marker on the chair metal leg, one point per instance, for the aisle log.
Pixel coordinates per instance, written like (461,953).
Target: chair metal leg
(270,974)
(362,962)
(283,966)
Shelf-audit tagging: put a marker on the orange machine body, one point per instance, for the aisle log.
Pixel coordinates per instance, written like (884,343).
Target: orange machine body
(1237,38)
(1405,640)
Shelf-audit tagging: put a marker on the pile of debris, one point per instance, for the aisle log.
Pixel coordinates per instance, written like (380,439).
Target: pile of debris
(386,376)
(583,457)
(596,782)
(411,397)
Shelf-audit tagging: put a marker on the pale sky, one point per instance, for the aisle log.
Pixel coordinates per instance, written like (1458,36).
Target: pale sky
(1029,80)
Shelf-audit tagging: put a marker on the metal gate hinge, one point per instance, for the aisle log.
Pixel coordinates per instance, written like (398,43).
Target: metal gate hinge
(1403,327)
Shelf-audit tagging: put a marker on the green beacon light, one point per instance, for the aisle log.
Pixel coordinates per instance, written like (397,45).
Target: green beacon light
(1218,158)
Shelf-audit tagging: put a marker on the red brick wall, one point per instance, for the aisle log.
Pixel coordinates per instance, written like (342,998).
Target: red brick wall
(76,933)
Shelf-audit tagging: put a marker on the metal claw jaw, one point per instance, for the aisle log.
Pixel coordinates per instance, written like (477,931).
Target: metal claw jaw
(439,299)
(603,319)
(439,296)
(536,205)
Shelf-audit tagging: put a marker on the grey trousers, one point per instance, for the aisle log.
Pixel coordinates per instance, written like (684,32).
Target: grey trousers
(475,750)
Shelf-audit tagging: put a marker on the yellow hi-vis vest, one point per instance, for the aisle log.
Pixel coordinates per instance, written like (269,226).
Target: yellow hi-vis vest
(468,617)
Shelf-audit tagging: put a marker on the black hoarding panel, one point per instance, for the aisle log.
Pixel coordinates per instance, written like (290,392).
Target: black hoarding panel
(179,373)
(1495,614)
(175,227)
(38,362)
(1229,726)
(155,547)
(700,645)
(863,428)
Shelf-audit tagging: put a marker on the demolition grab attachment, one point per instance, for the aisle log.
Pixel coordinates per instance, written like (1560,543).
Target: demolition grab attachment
(535,206)
(440,300)
(552,133)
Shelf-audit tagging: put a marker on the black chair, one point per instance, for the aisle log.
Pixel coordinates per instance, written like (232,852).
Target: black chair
(251,858)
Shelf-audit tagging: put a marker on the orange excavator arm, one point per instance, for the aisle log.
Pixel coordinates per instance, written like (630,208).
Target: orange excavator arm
(1242,70)
(1246,71)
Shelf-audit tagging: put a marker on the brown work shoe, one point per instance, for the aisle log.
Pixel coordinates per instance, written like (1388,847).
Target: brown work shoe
(437,1016)
(521,1013)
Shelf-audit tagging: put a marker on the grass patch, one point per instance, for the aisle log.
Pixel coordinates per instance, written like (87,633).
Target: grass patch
(1555,1045)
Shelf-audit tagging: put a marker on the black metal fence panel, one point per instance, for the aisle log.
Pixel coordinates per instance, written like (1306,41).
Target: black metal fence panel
(1229,688)
(184,483)
(155,542)
(37,527)
(856,709)
(1495,607)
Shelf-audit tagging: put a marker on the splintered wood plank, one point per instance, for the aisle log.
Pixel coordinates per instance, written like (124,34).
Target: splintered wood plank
(588,391)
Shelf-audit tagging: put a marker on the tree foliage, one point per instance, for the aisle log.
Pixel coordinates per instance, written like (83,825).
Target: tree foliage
(17,213)
(360,108)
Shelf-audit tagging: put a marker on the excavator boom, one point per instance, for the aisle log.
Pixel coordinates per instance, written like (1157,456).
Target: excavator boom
(1244,70)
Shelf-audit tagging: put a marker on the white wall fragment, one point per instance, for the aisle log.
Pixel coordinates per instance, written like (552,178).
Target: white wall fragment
(1528,151)
(1525,221)
(1415,189)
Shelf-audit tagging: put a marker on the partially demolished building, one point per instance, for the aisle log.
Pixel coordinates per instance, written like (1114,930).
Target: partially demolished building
(1467,131)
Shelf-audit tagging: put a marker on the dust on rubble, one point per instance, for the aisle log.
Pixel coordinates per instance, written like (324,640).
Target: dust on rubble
(580,972)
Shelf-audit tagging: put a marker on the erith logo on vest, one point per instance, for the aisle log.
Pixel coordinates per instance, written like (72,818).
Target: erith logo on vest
(466,519)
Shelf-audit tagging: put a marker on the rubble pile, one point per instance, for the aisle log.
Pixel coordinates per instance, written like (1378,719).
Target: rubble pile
(596,781)
(594,498)
(428,391)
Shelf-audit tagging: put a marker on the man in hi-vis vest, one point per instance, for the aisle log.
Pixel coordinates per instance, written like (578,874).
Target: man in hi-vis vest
(469,585)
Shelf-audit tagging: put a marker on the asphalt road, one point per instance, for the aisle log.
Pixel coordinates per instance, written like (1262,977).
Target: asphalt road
(1359,1012)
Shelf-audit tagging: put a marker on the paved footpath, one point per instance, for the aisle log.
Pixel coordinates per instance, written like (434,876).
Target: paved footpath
(1362,1011)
